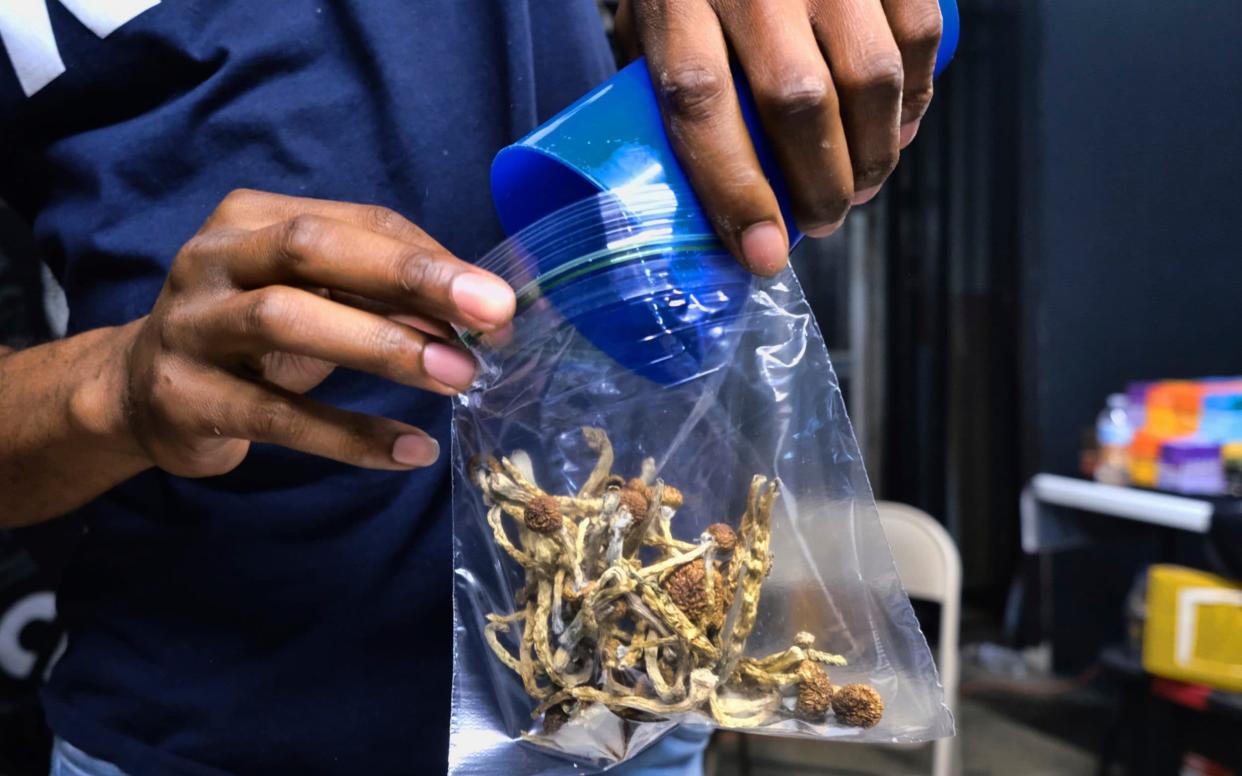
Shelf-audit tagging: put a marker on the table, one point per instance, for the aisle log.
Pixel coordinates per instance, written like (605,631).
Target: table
(1151,730)
(1053,509)
(1060,513)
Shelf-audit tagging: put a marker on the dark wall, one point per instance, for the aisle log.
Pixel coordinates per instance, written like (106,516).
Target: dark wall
(953,305)
(1133,205)
(1132,265)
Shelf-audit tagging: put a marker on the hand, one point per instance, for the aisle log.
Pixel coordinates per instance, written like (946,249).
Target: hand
(271,295)
(840,86)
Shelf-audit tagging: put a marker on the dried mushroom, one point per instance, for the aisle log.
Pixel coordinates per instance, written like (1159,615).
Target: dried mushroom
(616,610)
(814,691)
(725,538)
(857,705)
(673,497)
(543,515)
(687,586)
(635,501)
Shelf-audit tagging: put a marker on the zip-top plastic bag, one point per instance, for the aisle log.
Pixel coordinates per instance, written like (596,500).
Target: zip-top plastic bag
(660,513)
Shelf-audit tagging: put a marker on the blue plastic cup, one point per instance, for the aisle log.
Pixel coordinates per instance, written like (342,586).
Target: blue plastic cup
(613,141)
(614,138)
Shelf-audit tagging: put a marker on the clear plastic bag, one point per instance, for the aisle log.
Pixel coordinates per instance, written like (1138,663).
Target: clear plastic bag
(640,350)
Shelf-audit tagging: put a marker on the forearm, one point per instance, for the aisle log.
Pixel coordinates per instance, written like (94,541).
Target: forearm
(64,437)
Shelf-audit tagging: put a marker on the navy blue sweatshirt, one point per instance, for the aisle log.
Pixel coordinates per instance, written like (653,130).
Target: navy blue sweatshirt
(292,616)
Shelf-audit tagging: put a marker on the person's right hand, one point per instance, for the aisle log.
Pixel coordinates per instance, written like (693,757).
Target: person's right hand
(267,298)
(840,87)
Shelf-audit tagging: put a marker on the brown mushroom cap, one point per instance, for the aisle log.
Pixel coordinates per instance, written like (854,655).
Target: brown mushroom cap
(543,515)
(857,705)
(672,497)
(725,537)
(635,502)
(686,586)
(814,691)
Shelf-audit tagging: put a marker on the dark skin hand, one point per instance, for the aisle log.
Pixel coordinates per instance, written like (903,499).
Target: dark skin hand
(259,307)
(840,85)
(270,296)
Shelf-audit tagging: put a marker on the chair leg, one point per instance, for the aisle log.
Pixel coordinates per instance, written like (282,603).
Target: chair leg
(945,759)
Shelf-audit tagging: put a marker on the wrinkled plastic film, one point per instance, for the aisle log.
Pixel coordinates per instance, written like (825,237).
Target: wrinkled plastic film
(633,321)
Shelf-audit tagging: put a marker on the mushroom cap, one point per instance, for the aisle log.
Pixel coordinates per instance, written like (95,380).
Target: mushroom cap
(634,501)
(672,497)
(814,691)
(686,586)
(858,705)
(543,515)
(726,538)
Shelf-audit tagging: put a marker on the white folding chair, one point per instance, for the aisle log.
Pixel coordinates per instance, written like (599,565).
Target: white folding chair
(931,570)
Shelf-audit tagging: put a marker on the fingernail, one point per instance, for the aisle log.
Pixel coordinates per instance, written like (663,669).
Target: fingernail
(764,248)
(415,450)
(908,131)
(824,231)
(487,299)
(448,365)
(865,196)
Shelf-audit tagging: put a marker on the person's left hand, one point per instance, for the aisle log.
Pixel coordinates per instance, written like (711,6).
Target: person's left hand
(840,86)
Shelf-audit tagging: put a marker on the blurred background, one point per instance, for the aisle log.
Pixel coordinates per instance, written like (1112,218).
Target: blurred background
(1035,326)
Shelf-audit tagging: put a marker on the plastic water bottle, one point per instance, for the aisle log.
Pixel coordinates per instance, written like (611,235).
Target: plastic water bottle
(1113,431)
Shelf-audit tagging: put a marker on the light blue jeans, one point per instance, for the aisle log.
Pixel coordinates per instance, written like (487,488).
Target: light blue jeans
(68,760)
(680,753)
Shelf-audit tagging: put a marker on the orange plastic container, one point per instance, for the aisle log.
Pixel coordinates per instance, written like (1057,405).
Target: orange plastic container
(1173,408)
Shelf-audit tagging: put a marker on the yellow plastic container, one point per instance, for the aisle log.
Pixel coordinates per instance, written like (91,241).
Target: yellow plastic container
(1193,630)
